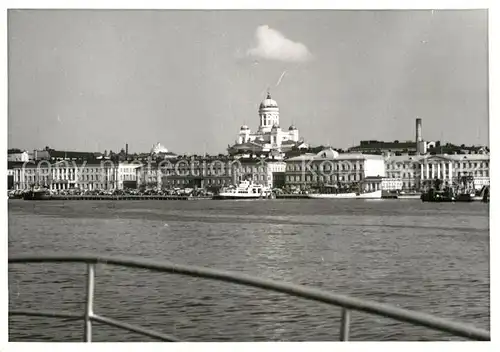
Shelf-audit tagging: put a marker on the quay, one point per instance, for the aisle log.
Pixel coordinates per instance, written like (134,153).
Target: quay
(123,197)
(291,196)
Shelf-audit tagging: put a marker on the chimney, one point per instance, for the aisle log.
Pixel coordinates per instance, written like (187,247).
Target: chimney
(126,151)
(418,135)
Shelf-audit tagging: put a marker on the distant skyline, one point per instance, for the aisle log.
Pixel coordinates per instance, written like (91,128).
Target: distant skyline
(94,80)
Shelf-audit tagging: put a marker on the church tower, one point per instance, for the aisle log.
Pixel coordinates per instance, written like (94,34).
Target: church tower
(269,114)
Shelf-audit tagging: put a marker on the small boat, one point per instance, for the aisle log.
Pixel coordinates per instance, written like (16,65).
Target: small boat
(37,194)
(350,195)
(389,195)
(466,197)
(437,196)
(410,196)
(245,190)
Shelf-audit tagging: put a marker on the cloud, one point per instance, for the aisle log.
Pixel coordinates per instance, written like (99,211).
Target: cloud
(273,45)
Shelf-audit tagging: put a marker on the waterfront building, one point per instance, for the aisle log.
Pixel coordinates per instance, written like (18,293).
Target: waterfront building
(187,172)
(65,175)
(127,175)
(418,172)
(200,172)
(148,175)
(329,167)
(269,135)
(269,172)
(210,172)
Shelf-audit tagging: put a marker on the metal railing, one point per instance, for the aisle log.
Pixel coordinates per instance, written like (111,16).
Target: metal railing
(347,303)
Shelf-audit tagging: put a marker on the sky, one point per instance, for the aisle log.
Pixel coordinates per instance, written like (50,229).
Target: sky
(94,80)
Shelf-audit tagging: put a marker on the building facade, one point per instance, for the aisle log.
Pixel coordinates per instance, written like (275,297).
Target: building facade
(268,172)
(127,175)
(65,175)
(211,172)
(192,172)
(418,173)
(331,168)
(16,155)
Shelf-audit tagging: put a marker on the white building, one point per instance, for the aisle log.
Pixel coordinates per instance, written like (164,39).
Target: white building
(267,172)
(391,184)
(127,175)
(269,135)
(65,175)
(18,155)
(159,151)
(329,167)
(419,171)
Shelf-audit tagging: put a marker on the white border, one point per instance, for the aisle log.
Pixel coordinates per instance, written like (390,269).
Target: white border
(494,21)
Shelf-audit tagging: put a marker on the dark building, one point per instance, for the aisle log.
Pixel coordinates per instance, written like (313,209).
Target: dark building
(379,147)
(53,155)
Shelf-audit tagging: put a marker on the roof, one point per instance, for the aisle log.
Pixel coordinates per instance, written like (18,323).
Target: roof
(73,154)
(384,145)
(14,164)
(450,157)
(15,151)
(248,145)
(289,142)
(341,156)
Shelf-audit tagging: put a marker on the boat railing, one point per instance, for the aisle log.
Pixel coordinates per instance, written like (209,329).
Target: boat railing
(346,303)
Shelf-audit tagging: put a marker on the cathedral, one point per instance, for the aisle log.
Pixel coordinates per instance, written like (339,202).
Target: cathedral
(269,137)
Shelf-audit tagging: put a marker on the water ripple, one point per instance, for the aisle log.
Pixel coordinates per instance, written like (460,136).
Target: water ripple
(428,257)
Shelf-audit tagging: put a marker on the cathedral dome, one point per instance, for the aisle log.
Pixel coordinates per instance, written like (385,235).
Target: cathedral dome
(158,148)
(244,127)
(275,126)
(292,128)
(268,102)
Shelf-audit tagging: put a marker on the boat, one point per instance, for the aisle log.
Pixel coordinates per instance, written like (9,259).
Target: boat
(389,195)
(438,196)
(400,195)
(37,194)
(245,190)
(410,196)
(466,197)
(349,195)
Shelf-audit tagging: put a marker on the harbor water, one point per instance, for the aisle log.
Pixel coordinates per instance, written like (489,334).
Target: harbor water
(429,257)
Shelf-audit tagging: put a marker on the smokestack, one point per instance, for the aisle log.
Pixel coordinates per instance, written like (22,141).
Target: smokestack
(126,151)
(418,137)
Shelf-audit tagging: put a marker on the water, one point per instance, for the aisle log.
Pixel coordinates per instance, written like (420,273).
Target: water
(431,257)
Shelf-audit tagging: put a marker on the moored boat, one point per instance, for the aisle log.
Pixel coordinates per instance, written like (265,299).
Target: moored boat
(37,194)
(350,195)
(245,190)
(437,197)
(410,196)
